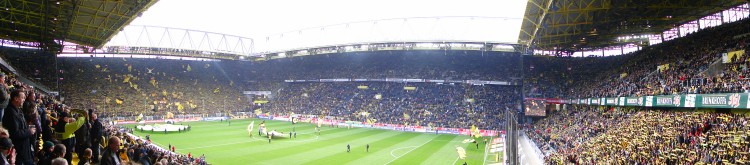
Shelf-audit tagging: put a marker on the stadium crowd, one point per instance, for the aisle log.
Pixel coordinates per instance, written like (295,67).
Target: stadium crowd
(618,135)
(691,69)
(39,128)
(428,104)
(142,151)
(442,65)
(129,87)
(589,135)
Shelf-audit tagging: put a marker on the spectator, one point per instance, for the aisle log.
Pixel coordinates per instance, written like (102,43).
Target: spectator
(82,137)
(59,161)
(71,126)
(7,151)
(96,137)
(85,159)
(110,155)
(4,132)
(4,97)
(48,153)
(20,133)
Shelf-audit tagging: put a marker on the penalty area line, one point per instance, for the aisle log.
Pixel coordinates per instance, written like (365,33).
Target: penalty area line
(394,156)
(389,162)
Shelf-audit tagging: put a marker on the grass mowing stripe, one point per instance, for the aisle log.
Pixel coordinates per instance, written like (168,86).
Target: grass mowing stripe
(203,136)
(423,152)
(279,152)
(230,135)
(474,155)
(407,152)
(254,152)
(282,145)
(384,155)
(223,143)
(338,149)
(360,151)
(447,153)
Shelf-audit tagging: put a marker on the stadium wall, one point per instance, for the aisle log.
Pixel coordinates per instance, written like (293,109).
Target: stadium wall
(717,100)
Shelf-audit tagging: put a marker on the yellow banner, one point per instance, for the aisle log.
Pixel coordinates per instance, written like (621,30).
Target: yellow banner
(735,54)
(260,101)
(663,68)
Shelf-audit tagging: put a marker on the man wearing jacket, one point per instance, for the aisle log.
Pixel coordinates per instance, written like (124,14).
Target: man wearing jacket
(96,136)
(19,131)
(110,155)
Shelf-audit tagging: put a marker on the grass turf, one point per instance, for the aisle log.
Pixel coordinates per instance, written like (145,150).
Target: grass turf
(223,143)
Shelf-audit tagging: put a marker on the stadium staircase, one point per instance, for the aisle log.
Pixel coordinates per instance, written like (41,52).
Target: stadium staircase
(715,68)
(529,152)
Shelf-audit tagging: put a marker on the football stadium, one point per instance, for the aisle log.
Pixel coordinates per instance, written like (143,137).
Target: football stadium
(512,82)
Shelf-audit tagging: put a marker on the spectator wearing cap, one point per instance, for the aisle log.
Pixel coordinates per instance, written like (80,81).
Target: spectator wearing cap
(47,153)
(19,131)
(58,152)
(7,151)
(68,136)
(61,121)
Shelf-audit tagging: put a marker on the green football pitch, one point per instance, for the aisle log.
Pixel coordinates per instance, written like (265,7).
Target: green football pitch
(228,144)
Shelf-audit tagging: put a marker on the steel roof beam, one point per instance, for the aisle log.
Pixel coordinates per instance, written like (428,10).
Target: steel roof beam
(539,21)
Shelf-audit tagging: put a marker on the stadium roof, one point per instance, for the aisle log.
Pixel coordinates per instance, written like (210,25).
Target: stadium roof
(47,23)
(278,26)
(575,25)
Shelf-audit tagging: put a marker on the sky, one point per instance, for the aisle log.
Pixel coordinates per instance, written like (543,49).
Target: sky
(278,22)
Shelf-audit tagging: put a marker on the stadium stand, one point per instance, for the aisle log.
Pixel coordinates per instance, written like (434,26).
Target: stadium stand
(686,63)
(619,135)
(629,136)
(130,87)
(636,74)
(437,105)
(124,88)
(444,65)
(49,112)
